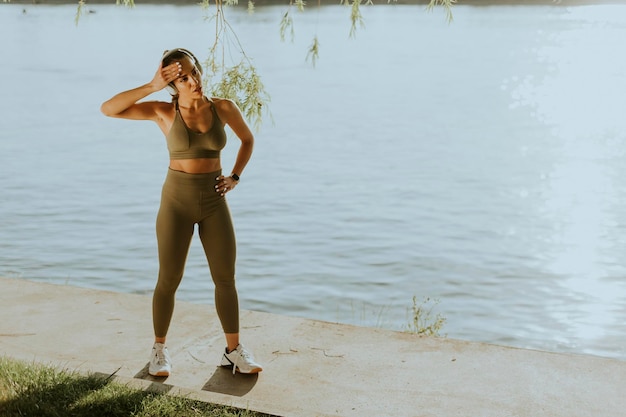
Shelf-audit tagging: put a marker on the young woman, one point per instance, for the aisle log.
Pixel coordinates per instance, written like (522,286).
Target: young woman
(193,193)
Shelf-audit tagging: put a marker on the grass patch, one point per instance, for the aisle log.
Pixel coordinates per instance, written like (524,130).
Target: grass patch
(422,319)
(31,389)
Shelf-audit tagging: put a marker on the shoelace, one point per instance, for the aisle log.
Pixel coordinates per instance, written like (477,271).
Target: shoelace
(160,356)
(241,353)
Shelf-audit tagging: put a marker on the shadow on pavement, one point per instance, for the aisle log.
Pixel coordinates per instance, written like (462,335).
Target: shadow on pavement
(143,374)
(224,382)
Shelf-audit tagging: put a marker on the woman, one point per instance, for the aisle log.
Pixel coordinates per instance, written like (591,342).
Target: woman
(193,193)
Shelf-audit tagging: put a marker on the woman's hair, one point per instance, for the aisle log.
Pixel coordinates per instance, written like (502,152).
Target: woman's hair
(173,55)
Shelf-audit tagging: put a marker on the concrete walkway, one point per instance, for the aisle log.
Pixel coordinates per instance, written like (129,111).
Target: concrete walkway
(311,368)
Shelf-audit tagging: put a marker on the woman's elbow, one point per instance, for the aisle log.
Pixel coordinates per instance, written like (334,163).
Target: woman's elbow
(248,141)
(105,108)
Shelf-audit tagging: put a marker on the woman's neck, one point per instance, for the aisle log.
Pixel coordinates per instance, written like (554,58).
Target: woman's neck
(191,103)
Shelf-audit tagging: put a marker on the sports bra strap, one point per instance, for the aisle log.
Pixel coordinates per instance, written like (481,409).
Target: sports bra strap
(213,109)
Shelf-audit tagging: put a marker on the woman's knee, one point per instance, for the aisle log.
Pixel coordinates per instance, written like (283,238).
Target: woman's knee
(225,283)
(167,284)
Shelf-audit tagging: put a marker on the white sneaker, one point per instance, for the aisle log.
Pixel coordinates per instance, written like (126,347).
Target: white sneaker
(241,360)
(160,362)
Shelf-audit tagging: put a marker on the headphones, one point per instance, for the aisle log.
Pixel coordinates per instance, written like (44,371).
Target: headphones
(181,51)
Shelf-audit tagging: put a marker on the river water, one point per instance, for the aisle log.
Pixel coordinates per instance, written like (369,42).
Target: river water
(480,164)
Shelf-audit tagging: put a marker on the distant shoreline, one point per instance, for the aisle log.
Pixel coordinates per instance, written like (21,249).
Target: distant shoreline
(313,3)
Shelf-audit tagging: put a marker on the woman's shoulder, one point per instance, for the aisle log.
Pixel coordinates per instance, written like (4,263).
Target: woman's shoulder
(223,103)
(163,106)
(225,107)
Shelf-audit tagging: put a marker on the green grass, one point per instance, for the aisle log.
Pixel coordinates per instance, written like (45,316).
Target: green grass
(31,389)
(422,319)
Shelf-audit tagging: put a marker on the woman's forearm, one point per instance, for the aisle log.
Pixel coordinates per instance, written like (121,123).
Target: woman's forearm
(243,156)
(122,101)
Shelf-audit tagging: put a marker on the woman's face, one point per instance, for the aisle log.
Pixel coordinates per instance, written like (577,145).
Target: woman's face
(189,83)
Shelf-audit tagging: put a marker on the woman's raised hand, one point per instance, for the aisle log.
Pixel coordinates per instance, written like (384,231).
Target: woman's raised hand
(166,75)
(125,104)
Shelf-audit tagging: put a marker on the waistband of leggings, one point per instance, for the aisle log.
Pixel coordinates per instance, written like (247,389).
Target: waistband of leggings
(185,178)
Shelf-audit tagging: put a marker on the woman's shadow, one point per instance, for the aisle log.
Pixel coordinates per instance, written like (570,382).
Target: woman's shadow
(222,381)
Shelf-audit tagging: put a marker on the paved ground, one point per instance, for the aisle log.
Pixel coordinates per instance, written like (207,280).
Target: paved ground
(312,368)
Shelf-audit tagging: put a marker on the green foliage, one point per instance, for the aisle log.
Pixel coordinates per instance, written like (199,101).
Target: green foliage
(300,5)
(81,4)
(355,15)
(43,391)
(79,11)
(238,79)
(421,319)
(242,84)
(447,5)
(286,23)
(314,51)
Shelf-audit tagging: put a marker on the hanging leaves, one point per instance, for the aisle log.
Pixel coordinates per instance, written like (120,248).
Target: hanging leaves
(238,79)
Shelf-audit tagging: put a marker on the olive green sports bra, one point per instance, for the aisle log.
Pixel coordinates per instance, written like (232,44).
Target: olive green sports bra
(184,143)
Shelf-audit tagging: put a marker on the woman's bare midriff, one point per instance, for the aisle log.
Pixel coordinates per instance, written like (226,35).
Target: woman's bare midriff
(196,166)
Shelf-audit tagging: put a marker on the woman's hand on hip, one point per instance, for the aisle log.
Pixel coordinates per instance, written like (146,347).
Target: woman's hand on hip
(225,184)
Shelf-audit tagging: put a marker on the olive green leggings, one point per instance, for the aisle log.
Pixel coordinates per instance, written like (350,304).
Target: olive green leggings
(187,200)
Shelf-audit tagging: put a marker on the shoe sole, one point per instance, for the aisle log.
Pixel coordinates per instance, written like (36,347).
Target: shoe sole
(164,373)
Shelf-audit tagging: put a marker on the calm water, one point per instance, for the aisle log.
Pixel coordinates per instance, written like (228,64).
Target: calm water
(481,163)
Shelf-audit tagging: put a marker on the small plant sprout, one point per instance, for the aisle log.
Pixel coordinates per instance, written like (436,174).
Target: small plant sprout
(421,319)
